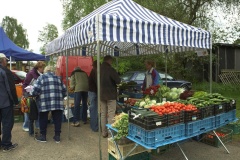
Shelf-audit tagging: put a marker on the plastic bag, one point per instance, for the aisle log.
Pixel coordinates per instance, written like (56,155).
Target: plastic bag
(68,115)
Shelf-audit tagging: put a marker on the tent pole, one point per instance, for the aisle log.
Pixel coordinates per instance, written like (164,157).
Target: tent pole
(210,79)
(98,90)
(10,62)
(68,107)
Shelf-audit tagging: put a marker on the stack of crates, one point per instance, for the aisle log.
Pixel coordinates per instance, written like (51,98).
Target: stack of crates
(139,153)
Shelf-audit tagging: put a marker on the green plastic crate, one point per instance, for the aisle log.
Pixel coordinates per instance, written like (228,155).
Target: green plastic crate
(139,156)
(234,126)
(18,118)
(211,139)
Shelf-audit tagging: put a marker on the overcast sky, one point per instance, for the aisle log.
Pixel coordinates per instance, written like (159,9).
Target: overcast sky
(33,15)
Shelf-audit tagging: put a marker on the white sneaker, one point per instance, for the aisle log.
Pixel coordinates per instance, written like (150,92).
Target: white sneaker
(26,129)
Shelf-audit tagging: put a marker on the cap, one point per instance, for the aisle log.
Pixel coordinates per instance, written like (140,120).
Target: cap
(3,56)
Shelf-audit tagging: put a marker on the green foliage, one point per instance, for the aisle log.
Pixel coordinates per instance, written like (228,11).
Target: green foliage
(74,10)
(48,34)
(15,32)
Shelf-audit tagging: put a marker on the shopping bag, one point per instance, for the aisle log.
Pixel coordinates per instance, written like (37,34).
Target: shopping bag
(33,113)
(68,113)
(24,105)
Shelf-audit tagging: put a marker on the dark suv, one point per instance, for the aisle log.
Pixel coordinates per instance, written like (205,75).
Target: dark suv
(138,77)
(19,76)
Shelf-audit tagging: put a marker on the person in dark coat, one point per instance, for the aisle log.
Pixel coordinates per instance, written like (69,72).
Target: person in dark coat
(30,79)
(92,94)
(108,86)
(8,99)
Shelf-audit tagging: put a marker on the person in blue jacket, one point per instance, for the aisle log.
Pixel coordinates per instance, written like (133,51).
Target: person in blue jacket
(152,77)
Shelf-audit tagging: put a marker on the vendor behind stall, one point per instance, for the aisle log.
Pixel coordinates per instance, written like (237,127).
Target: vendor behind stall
(152,77)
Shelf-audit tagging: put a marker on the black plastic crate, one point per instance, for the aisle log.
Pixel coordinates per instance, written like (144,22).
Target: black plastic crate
(207,111)
(175,118)
(220,108)
(192,115)
(148,120)
(230,106)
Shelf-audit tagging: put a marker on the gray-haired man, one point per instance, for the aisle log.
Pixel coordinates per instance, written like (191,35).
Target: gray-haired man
(8,98)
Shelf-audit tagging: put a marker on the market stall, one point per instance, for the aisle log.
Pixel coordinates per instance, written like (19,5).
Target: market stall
(133,30)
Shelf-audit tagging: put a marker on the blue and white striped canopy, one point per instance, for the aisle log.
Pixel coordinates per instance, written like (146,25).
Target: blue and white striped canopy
(132,29)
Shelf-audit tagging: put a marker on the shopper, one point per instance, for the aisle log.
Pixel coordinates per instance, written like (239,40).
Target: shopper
(108,86)
(79,83)
(8,99)
(92,94)
(30,79)
(152,77)
(51,91)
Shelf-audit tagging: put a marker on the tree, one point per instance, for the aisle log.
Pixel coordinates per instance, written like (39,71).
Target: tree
(15,32)
(48,34)
(74,10)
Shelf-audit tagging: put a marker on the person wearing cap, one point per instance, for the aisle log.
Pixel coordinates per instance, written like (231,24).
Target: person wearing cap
(50,91)
(79,83)
(8,99)
(92,94)
(108,83)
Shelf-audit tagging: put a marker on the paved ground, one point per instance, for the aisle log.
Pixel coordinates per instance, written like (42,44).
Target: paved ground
(84,145)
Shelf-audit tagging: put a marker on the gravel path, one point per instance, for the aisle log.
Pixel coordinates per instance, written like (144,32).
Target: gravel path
(83,145)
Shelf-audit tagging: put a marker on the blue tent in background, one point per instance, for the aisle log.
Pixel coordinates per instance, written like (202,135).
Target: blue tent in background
(14,52)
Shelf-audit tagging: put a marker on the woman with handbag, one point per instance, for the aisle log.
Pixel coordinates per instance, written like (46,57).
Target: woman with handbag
(51,91)
(30,79)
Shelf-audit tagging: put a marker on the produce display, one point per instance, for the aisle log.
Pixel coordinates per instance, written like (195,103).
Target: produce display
(172,107)
(121,124)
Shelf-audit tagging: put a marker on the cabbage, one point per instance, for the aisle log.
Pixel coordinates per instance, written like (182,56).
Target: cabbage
(180,90)
(142,103)
(153,101)
(174,89)
(174,95)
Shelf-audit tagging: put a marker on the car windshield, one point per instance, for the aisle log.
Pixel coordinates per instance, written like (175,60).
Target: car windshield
(21,74)
(127,76)
(163,76)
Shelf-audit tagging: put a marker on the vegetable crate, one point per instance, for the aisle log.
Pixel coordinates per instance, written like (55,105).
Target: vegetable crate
(221,108)
(233,126)
(201,126)
(207,111)
(192,115)
(223,133)
(175,118)
(157,137)
(225,118)
(148,120)
(231,106)
(161,150)
(124,149)
(140,156)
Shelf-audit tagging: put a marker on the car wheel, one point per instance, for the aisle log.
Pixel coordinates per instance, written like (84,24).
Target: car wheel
(185,87)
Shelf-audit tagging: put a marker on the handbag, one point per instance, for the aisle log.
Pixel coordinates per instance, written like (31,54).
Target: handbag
(33,113)
(24,105)
(68,112)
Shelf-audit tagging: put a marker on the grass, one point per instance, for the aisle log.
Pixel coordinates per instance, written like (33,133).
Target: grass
(230,91)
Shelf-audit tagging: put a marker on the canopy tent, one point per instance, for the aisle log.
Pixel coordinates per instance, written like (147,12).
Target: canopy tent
(14,52)
(133,30)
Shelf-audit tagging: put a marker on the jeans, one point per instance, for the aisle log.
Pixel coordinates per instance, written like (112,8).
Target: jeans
(80,114)
(93,111)
(57,120)
(108,109)
(7,120)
